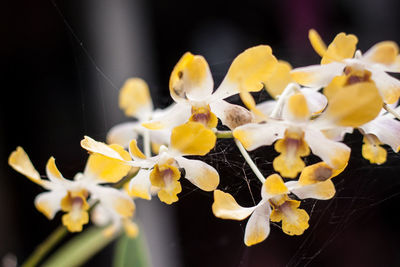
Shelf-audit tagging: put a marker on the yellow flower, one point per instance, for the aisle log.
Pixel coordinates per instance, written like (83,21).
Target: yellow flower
(161,173)
(274,192)
(71,196)
(191,87)
(337,59)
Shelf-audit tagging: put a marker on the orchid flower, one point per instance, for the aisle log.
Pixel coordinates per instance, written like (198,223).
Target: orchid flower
(162,171)
(384,129)
(337,59)
(136,102)
(71,196)
(191,87)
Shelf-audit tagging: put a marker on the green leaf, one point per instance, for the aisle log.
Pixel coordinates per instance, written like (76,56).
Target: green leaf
(130,252)
(79,249)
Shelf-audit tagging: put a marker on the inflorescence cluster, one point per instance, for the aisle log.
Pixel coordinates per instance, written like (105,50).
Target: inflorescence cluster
(314,107)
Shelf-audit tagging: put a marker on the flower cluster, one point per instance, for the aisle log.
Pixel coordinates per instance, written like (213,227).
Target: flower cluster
(311,110)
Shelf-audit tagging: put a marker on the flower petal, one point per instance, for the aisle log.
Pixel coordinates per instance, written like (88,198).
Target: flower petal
(199,173)
(257,228)
(254,135)
(316,42)
(278,79)
(316,173)
(247,72)
(342,47)
(386,129)
(93,146)
(322,190)
(20,162)
(296,108)
(335,154)
(114,200)
(52,171)
(191,79)
(108,169)
(316,101)
(383,53)
(123,133)
(372,151)
(140,185)
(344,111)
(273,186)
(192,138)
(226,207)
(231,115)
(388,86)
(135,99)
(49,203)
(178,114)
(317,75)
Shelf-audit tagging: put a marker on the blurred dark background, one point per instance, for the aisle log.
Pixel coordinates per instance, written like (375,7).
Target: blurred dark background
(63,62)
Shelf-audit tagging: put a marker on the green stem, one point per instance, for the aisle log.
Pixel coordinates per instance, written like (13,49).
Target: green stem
(249,161)
(44,248)
(224,134)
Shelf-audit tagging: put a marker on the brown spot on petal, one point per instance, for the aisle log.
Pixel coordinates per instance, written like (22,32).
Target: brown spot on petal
(323,173)
(237,116)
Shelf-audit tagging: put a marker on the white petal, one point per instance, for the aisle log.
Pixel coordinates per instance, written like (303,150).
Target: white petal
(199,173)
(123,133)
(257,228)
(114,200)
(93,146)
(317,75)
(177,115)
(316,101)
(323,190)
(50,202)
(266,107)
(231,115)
(388,86)
(140,185)
(226,207)
(335,154)
(386,129)
(254,135)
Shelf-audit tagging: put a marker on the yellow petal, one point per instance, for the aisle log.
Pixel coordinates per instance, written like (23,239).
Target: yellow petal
(20,162)
(93,146)
(297,107)
(316,42)
(384,53)
(296,223)
(192,138)
(342,47)
(372,151)
(316,173)
(166,177)
(204,115)
(125,207)
(190,76)
(345,111)
(226,207)
(108,169)
(52,171)
(278,79)
(250,68)
(134,97)
(75,220)
(135,151)
(274,185)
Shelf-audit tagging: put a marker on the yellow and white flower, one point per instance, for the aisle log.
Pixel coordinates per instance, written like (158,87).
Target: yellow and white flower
(73,196)
(136,102)
(274,194)
(191,87)
(341,57)
(292,126)
(383,130)
(162,172)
